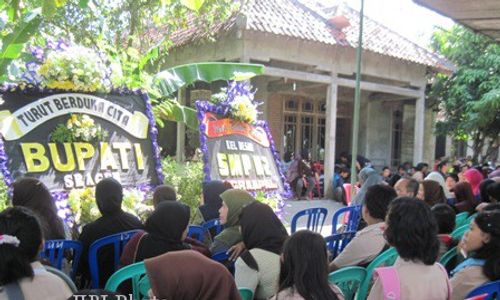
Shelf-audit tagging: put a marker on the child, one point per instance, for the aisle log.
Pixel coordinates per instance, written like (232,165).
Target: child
(21,274)
(445,217)
(482,243)
(304,269)
(412,230)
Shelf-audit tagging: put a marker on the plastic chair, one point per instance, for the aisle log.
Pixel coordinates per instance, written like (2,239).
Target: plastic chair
(448,257)
(63,276)
(315,218)
(385,259)
(492,289)
(220,256)
(459,232)
(246,294)
(461,219)
(54,251)
(478,297)
(348,280)
(337,242)
(118,241)
(353,214)
(196,232)
(469,219)
(135,272)
(213,224)
(144,286)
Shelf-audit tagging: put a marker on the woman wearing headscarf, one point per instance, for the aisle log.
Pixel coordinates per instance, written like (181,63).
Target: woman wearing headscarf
(187,275)
(211,201)
(258,268)
(166,230)
(433,192)
(33,194)
(109,196)
(437,177)
(367,177)
(233,202)
(474,177)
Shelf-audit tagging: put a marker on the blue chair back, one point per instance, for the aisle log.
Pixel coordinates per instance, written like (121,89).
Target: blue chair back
(196,232)
(490,288)
(215,223)
(337,242)
(118,241)
(315,218)
(354,215)
(54,251)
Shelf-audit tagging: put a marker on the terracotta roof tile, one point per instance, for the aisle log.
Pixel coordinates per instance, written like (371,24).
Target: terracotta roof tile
(308,20)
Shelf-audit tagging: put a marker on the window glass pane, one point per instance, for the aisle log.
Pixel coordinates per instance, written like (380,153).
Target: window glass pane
(307,133)
(289,133)
(320,155)
(307,106)
(291,105)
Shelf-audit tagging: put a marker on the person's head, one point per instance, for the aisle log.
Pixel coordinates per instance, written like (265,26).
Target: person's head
(412,188)
(442,167)
(401,170)
(412,230)
(304,266)
(377,201)
(344,171)
(483,189)
(386,172)
(463,193)
(109,196)
(365,173)
(162,193)
(422,167)
(95,295)
(169,221)
(474,177)
(401,187)
(445,218)
(211,200)
(21,240)
(433,193)
(483,239)
(261,228)
(33,194)
(494,191)
(305,154)
(233,201)
(451,181)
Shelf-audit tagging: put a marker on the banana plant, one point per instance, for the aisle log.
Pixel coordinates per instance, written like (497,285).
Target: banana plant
(169,81)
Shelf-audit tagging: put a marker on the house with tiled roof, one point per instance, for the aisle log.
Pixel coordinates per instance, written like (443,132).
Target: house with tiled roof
(308,84)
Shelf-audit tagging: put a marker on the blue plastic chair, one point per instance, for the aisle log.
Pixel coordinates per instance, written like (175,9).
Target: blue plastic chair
(136,272)
(492,289)
(54,251)
(118,241)
(196,232)
(215,223)
(220,256)
(337,242)
(348,280)
(354,213)
(315,218)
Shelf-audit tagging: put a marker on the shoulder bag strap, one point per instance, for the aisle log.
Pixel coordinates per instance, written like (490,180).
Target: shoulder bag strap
(390,282)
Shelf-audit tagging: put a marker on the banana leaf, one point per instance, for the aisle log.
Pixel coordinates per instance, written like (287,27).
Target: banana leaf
(13,43)
(173,79)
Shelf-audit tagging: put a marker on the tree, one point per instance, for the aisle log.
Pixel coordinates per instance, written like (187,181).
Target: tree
(469,98)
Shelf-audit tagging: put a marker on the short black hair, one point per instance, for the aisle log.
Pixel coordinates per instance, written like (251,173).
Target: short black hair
(494,191)
(420,166)
(412,230)
(385,168)
(445,217)
(454,176)
(413,186)
(377,200)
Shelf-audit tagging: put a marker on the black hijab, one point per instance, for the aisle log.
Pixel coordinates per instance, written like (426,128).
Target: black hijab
(262,229)
(212,199)
(164,230)
(109,196)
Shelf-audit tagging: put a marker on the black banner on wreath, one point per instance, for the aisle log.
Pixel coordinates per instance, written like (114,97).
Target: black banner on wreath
(240,153)
(72,140)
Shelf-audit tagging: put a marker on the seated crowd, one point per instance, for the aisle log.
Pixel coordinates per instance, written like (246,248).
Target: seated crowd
(414,214)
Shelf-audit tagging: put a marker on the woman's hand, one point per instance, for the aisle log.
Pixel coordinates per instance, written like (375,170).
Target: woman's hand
(236,250)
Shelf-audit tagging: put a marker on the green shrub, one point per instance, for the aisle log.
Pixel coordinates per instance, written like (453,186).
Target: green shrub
(187,178)
(4,195)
